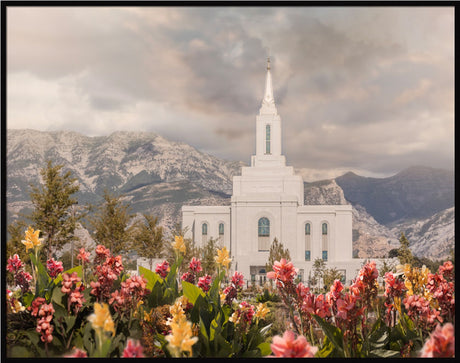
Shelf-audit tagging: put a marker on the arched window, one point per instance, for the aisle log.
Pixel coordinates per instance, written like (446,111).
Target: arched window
(204,234)
(307,242)
(264,227)
(325,241)
(267,139)
(221,229)
(264,234)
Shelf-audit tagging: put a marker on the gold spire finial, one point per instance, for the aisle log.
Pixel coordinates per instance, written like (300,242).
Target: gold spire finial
(268,63)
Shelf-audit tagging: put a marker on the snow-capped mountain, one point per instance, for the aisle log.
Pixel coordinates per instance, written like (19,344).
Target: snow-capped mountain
(158,176)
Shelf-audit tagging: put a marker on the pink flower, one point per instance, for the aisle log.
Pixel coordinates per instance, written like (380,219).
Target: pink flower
(77,353)
(195,265)
(289,347)
(102,252)
(302,291)
(335,292)
(43,326)
(204,283)
(83,256)
(133,349)
(162,269)
(54,267)
(316,304)
(393,286)
(35,306)
(282,271)
(14,263)
(446,270)
(441,343)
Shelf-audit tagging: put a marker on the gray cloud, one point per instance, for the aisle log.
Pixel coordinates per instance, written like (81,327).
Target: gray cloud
(369,89)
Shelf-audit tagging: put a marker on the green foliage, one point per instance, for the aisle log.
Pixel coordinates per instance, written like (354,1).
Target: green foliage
(207,253)
(110,224)
(54,212)
(148,238)
(277,252)
(14,245)
(404,253)
(268,296)
(330,275)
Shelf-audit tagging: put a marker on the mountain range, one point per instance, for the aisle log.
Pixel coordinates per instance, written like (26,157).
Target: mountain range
(158,176)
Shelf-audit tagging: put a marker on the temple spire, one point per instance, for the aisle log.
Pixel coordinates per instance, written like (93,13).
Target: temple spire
(268,103)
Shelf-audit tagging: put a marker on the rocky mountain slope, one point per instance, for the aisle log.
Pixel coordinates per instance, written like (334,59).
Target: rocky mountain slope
(415,193)
(158,176)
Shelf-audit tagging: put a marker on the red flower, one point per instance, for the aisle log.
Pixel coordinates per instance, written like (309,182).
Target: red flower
(441,343)
(204,283)
(289,347)
(195,265)
(54,267)
(282,271)
(237,279)
(83,255)
(189,277)
(162,269)
(133,349)
(14,263)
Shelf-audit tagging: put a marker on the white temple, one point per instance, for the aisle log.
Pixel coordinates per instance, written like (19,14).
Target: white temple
(268,203)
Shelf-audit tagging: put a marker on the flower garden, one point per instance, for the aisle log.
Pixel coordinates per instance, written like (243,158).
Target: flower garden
(98,310)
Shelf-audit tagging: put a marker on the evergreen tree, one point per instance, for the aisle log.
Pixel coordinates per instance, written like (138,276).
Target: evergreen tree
(404,253)
(277,252)
(16,230)
(110,224)
(148,238)
(208,253)
(330,275)
(54,213)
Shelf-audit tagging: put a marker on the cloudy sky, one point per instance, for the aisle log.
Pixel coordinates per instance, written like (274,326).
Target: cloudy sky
(367,89)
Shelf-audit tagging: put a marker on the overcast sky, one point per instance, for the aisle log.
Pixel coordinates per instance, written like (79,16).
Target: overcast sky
(367,89)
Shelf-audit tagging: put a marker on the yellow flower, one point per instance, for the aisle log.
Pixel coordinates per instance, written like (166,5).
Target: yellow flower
(101,318)
(261,311)
(222,257)
(179,244)
(181,338)
(32,239)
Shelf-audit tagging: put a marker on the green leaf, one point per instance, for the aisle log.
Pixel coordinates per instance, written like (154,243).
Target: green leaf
(56,297)
(191,291)
(151,277)
(265,349)
(70,322)
(77,269)
(42,276)
(333,333)
(327,349)
(27,299)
